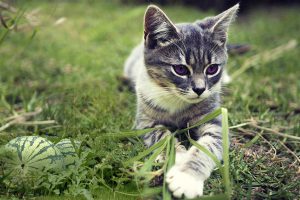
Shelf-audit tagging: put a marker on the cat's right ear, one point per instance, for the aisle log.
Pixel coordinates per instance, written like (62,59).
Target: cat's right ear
(218,25)
(158,28)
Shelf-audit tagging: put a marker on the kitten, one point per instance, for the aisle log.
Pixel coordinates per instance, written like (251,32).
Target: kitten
(178,71)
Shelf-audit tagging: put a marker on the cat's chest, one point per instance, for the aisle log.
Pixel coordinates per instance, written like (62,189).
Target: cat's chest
(175,121)
(179,118)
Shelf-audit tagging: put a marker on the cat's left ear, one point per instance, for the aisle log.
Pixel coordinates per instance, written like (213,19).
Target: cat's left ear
(158,28)
(218,25)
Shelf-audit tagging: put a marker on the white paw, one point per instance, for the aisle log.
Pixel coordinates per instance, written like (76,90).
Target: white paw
(184,184)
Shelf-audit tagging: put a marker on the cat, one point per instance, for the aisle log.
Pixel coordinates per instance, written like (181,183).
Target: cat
(178,72)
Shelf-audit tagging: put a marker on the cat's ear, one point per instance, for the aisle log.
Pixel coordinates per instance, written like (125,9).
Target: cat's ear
(158,28)
(218,25)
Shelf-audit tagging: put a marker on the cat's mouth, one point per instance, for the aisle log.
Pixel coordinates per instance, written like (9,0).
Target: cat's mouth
(194,99)
(190,99)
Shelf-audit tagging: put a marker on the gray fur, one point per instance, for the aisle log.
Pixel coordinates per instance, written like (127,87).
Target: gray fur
(165,98)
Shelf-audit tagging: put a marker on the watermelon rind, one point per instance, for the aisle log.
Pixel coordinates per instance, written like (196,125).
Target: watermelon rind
(30,157)
(67,149)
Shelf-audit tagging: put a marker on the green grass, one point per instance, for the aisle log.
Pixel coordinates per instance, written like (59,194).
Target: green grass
(70,71)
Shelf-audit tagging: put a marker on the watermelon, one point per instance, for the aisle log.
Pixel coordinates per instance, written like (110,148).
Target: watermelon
(30,156)
(68,151)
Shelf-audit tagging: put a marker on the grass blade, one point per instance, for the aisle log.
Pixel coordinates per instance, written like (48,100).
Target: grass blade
(168,143)
(126,134)
(251,142)
(206,151)
(225,138)
(171,155)
(149,192)
(169,162)
(215,197)
(205,119)
(146,152)
(149,163)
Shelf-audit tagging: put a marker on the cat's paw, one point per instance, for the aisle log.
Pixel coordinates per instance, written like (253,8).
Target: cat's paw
(183,183)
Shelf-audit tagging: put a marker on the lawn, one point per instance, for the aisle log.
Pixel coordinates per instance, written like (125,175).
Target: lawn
(68,65)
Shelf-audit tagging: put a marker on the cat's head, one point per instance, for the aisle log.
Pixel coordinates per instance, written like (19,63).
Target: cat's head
(188,59)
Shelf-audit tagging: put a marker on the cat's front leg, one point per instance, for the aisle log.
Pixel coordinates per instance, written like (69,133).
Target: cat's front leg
(154,136)
(186,178)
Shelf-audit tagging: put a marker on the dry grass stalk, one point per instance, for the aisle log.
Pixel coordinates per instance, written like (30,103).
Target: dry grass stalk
(291,152)
(29,16)
(253,133)
(274,132)
(254,124)
(265,57)
(22,119)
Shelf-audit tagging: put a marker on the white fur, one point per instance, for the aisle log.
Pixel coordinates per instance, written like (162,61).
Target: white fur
(184,183)
(156,94)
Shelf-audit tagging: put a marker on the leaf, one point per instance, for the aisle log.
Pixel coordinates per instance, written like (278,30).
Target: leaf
(146,152)
(251,142)
(87,194)
(214,197)
(149,163)
(129,133)
(169,144)
(151,191)
(170,160)
(205,119)
(206,151)
(225,138)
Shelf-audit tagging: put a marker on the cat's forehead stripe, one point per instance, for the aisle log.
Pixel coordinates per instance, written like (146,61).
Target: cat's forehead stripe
(197,48)
(192,60)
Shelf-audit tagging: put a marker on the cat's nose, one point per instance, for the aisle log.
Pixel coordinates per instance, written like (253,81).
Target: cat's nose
(198,91)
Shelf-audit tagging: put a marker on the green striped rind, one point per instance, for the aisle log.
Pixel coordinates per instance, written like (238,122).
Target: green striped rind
(32,155)
(68,151)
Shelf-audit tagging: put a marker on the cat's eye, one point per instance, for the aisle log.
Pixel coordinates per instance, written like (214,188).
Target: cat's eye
(181,70)
(212,69)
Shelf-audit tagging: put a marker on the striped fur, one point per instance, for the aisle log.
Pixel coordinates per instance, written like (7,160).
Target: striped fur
(165,98)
